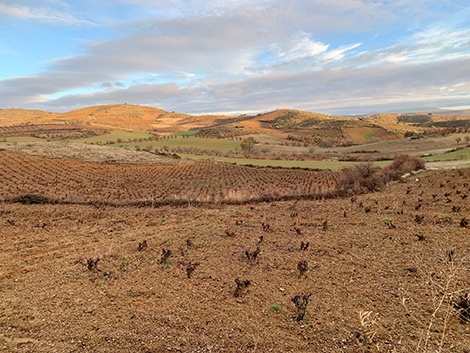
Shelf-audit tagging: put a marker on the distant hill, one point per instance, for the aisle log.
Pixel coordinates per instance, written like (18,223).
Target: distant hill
(118,116)
(144,118)
(16,116)
(423,120)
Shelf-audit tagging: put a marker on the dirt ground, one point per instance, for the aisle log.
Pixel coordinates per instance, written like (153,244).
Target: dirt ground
(384,273)
(361,135)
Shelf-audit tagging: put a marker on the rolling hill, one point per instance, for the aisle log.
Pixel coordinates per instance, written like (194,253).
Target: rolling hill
(117,116)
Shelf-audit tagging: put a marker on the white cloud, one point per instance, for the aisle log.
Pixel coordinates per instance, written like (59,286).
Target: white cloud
(300,47)
(44,14)
(250,56)
(338,54)
(432,44)
(335,90)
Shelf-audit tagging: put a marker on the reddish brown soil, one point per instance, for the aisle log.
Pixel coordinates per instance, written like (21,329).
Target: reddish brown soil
(361,135)
(373,288)
(198,180)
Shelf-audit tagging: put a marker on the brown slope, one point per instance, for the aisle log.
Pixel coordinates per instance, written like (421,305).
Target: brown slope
(117,116)
(17,116)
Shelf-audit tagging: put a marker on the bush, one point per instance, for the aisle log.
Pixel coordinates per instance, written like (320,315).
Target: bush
(366,177)
(401,165)
(325,144)
(30,199)
(361,178)
(248,146)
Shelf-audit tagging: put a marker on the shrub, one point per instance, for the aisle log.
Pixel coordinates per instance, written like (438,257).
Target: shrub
(325,144)
(401,165)
(366,177)
(248,146)
(33,199)
(361,178)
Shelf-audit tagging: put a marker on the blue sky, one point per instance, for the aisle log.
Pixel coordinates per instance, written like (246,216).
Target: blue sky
(232,57)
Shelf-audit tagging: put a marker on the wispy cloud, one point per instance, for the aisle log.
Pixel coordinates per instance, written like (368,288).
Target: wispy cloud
(300,46)
(43,14)
(436,42)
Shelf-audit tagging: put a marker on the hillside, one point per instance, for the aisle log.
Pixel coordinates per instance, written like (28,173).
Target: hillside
(22,116)
(419,121)
(117,116)
(287,130)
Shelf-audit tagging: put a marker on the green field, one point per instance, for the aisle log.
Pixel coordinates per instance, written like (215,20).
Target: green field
(21,139)
(205,144)
(456,155)
(187,132)
(113,136)
(333,165)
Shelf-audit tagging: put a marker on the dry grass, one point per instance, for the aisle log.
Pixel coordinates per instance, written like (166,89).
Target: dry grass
(83,152)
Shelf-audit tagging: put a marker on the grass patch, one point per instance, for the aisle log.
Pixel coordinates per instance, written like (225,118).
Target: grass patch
(22,139)
(187,132)
(456,155)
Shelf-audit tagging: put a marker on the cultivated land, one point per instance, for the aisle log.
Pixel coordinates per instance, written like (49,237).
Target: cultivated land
(108,249)
(207,144)
(67,180)
(385,271)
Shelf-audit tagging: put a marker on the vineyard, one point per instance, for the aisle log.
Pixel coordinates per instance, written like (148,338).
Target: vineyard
(380,272)
(69,180)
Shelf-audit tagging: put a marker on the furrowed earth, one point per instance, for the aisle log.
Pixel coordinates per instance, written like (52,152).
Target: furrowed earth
(386,271)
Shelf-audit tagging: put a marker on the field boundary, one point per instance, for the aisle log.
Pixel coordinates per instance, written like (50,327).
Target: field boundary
(30,199)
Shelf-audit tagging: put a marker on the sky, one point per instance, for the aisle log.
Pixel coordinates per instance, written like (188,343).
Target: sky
(339,57)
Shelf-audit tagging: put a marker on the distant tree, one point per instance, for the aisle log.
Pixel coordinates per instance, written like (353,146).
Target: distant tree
(467,139)
(248,146)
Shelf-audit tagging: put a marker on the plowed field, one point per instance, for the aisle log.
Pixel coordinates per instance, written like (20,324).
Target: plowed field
(201,180)
(386,273)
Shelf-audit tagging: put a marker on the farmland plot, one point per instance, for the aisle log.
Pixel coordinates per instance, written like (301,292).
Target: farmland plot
(382,272)
(201,180)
